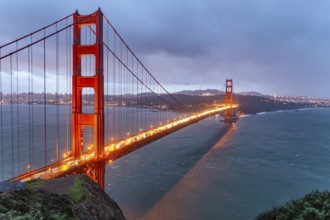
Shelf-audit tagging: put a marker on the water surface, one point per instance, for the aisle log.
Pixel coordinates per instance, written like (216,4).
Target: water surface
(212,171)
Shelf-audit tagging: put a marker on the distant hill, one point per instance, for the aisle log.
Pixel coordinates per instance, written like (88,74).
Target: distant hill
(247,104)
(252,94)
(205,92)
(304,100)
(198,100)
(213,92)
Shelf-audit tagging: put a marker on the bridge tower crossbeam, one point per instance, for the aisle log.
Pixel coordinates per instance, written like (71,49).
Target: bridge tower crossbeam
(96,82)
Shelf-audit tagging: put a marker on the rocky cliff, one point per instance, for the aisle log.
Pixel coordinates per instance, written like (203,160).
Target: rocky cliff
(70,197)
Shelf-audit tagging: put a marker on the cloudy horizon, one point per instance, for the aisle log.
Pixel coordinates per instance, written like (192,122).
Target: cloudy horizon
(271,47)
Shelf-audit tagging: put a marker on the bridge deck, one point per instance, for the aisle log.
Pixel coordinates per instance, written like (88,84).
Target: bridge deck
(117,149)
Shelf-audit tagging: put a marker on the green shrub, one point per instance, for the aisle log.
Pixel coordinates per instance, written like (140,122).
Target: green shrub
(76,190)
(315,205)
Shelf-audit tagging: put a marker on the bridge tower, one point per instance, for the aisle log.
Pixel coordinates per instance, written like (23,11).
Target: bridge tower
(229,114)
(79,82)
(229,92)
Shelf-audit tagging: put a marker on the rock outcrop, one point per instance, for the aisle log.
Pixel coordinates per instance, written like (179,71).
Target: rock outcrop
(70,197)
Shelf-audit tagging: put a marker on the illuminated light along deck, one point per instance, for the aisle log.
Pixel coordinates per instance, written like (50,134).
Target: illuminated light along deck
(117,149)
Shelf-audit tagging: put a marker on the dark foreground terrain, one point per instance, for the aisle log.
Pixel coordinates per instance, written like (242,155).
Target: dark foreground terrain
(315,205)
(70,197)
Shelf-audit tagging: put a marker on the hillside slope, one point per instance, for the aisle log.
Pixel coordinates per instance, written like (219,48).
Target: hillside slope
(70,197)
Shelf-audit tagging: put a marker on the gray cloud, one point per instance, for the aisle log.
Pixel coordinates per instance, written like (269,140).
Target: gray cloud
(274,46)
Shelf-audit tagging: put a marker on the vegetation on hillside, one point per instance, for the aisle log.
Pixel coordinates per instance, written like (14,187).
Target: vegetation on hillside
(69,197)
(76,190)
(315,205)
(34,204)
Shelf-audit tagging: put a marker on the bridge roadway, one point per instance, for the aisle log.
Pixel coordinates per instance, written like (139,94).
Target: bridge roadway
(116,149)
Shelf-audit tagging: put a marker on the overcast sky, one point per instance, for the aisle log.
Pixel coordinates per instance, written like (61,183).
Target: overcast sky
(269,46)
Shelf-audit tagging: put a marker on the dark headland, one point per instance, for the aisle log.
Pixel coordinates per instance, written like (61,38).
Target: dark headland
(248,104)
(70,197)
(315,205)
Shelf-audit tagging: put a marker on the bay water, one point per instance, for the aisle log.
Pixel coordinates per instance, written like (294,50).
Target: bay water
(210,170)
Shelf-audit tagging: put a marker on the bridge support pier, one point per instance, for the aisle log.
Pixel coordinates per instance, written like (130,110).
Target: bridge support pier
(79,82)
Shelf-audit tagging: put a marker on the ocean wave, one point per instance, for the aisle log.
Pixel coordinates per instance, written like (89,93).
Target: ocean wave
(308,109)
(242,116)
(287,110)
(262,113)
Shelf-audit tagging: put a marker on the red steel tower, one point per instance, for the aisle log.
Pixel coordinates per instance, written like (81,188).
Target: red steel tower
(79,82)
(229,92)
(229,99)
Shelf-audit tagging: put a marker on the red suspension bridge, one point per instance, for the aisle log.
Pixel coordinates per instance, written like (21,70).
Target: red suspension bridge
(75,97)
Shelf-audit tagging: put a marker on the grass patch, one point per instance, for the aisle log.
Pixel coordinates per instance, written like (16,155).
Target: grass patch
(34,183)
(76,190)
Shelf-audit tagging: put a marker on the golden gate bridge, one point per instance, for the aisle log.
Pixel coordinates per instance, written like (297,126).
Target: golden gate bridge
(74,97)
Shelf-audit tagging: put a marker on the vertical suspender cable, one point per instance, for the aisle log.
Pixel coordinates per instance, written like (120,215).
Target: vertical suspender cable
(120,89)
(45,100)
(149,101)
(150,97)
(11,116)
(126,85)
(114,87)
(67,87)
(141,99)
(107,95)
(57,98)
(69,80)
(29,104)
(132,94)
(1,121)
(164,104)
(157,99)
(137,97)
(145,101)
(123,73)
(17,115)
(125,96)
(129,98)
(160,103)
(32,109)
